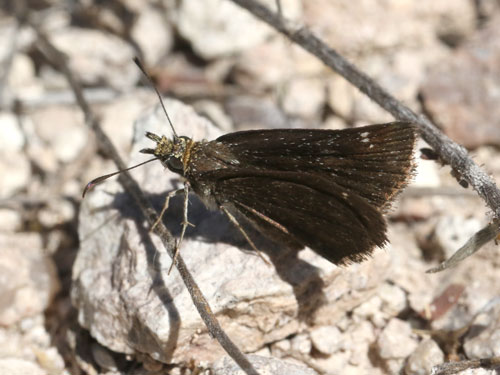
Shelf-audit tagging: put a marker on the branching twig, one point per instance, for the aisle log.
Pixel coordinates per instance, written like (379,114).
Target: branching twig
(450,152)
(105,145)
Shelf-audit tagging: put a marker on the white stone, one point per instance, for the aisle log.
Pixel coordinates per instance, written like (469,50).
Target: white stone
(228,30)
(153,34)
(427,355)
(304,97)
(28,277)
(393,299)
(396,341)
(15,366)
(326,339)
(11,136)
(10,220)
(453,231)
(263,365)
(15,170)
(63,129)
(95,56)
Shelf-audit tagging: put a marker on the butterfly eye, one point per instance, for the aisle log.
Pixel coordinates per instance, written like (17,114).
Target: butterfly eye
(175,165)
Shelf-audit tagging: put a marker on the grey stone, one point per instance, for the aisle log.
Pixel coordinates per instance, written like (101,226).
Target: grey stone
(264,366)
(16,366)
(326,339)
(483,339)
(29,280)
(426,355)
(95,56)
(396,341)
(229,30)
(461,92)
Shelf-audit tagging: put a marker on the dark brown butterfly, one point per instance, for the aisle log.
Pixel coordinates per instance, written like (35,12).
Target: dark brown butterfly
(324,189)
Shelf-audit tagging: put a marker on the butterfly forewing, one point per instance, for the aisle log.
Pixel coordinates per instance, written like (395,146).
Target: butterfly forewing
(373,161)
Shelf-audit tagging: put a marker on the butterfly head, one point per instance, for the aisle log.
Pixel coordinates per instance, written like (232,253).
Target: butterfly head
(170,152)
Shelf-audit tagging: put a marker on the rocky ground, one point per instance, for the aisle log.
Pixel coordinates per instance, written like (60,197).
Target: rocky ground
(84,290)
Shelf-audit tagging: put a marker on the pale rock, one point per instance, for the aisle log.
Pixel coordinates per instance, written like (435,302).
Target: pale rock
(22,78)
(15,366)
(483,340)
(97,57)
(264,352)
(51,360)
(8,30)
(281,348)
(359,338)
(214,112)
(326,339)
(263,365)
(334,123)
(452,22)
(255,113)
(118,116)
(427,355)
(461,92)
(427,172)
(56,212)
(272,63)
(301,344)
(229,30)
(10,220)
(341,96)
(153,34)
(363,27)
(394,365)
(15,170)
(11,136)
(304,97)
(452,231)
(29,280)
(68,144)
(396,340)
(393,299)
(333,364)
(371,310)
(348,287)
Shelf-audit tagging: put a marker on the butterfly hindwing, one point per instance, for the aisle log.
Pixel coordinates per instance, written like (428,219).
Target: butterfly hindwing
(300,210)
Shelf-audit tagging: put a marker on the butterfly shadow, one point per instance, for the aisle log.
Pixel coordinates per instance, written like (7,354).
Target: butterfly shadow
(215,227)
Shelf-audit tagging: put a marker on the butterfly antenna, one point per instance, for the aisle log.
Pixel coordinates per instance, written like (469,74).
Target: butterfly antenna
(150,81)
(98,180)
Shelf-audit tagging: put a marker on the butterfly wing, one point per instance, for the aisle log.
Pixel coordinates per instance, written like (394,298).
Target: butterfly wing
(302,210)
(374,161)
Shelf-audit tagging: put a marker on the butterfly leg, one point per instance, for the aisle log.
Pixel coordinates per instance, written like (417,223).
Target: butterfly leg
(242,231)
(185,224)
(165,206)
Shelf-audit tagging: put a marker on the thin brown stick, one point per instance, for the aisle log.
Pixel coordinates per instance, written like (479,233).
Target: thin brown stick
(106,146)
(450,152)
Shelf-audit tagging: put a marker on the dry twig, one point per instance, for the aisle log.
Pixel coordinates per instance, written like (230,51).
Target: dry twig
(106,146)
(449,152)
